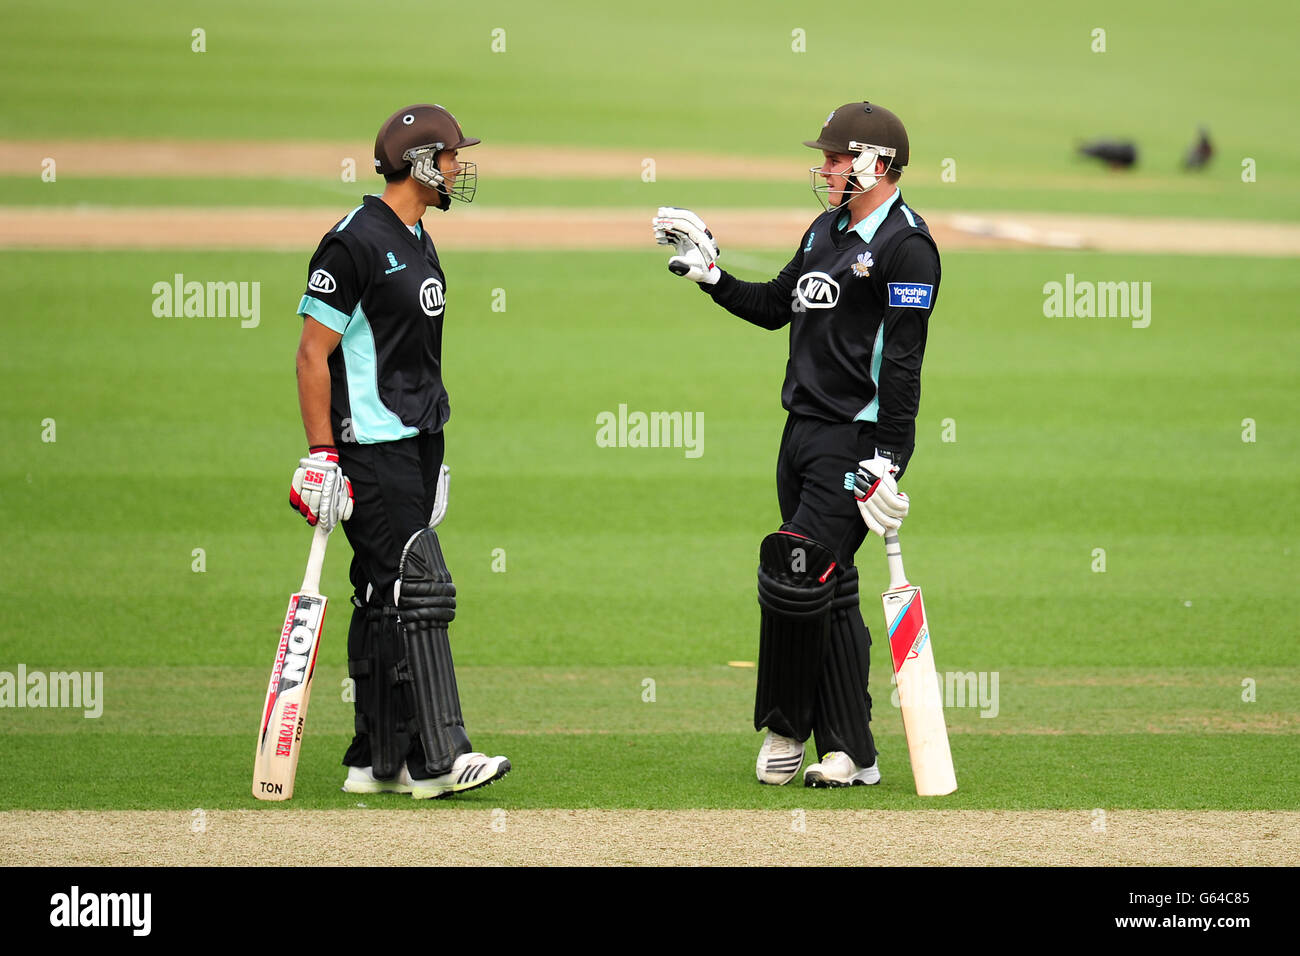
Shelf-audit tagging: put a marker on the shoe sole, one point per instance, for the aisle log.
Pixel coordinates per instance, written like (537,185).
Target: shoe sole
(441,792)
(780,782)
(815,779)
(350,787)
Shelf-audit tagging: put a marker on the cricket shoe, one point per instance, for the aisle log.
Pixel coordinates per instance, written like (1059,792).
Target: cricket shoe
(469,771)
(363,780)
(837,769)
(779,759)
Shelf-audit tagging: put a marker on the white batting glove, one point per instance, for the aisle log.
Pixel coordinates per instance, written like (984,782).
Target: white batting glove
(882,505)
(319,490)
(440,498)
(697,252)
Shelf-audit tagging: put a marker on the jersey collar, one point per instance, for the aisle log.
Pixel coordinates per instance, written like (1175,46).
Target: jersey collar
(376,203)
(868,227)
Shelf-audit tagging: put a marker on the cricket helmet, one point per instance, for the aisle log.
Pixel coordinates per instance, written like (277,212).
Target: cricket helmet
(866,132)
(413,137)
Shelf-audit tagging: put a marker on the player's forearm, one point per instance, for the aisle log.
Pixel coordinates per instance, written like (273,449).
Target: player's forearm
(896,420)
(314,398)
(899,390)
(765,304)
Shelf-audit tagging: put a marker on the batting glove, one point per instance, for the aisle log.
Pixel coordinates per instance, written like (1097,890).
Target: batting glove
(440,498)
(697,252)
(882,505)
(319,490)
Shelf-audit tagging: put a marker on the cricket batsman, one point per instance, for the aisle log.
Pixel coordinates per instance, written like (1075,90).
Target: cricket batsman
(374,406)
(857,296)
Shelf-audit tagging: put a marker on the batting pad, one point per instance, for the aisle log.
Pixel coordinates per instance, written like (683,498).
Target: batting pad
(843,704)
(426,605)
(795,587)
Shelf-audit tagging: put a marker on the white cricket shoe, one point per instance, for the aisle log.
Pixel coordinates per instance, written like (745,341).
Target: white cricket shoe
(363,780)
(779,759)
(837,769)
(469,771)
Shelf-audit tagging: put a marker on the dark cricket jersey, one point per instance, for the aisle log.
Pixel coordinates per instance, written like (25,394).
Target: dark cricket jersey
(858,302)
(383,290)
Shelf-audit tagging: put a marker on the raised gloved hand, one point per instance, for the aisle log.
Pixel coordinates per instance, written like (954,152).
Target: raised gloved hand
(319,489)
(697,251)
(882,505)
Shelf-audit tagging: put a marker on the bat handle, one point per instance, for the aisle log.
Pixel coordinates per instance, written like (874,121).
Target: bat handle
(894,554)
(315,561)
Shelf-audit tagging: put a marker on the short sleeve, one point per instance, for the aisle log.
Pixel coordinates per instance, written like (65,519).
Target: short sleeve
(333,288)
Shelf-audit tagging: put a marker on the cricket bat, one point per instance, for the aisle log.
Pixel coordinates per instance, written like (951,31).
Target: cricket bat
(919,695)
(280,740)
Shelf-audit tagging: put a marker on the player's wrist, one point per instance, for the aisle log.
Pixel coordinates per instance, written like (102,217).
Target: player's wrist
(719,282)
(330,452)
(892,455)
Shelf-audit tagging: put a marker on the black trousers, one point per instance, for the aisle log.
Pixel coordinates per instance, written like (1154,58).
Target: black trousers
(814,480)
(393,488)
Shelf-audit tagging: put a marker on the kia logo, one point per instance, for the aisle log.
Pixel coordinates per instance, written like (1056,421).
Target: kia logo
(431,300)
(321,281)
(817,290)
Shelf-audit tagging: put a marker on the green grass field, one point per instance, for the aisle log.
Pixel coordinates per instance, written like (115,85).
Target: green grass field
(623,565)
(1006,92)
(1003,87)
(593,579)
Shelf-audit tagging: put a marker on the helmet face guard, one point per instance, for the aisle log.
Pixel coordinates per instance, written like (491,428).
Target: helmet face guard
(862,168)
(424,169)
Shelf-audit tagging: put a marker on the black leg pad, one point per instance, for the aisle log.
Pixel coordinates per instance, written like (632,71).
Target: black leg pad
(843,703)
(427,604)
(374,648)
(796,582)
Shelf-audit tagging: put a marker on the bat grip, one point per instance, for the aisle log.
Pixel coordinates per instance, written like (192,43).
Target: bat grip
(894,555)
(315,561)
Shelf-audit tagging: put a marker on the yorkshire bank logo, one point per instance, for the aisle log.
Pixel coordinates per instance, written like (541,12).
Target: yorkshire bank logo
(431,297)
(817,290)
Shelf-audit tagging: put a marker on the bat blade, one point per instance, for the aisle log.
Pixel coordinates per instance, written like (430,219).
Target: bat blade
(919,695)
(284,715)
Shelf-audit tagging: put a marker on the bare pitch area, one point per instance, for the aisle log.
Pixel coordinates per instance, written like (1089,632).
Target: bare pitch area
(534,228)
(26,227)
(442,835)
(482,229)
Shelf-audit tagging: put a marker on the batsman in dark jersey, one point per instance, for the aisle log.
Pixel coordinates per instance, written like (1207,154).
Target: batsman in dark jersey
(857,297)
(374,406)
